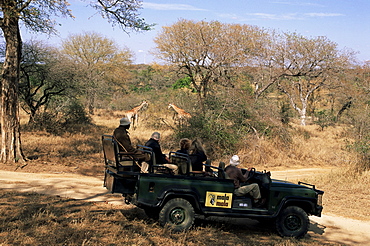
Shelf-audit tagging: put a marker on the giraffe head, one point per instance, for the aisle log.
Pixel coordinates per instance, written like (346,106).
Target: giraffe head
(144,104)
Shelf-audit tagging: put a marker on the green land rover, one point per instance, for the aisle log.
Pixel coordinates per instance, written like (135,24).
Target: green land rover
(175,199)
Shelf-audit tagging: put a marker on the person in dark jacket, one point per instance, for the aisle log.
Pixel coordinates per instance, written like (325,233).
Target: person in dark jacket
(124,142)
(160,158)
(197,155)
(153,143)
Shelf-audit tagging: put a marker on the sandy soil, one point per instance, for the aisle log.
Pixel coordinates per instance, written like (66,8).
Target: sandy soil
(328,228)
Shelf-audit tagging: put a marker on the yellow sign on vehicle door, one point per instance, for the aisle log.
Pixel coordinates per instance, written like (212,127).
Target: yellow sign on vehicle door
(218,200)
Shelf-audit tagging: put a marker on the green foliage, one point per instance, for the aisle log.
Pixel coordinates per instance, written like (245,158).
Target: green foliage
(221,140)
(182,83)
(229,121)
(285,113)
(146,78)
(141,89)
(362,147)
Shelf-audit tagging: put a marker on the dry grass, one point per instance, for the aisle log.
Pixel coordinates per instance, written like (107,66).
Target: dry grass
(309,147)
(347,193)
(35,219)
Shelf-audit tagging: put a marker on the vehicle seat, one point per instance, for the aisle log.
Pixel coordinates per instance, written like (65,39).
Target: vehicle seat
(221,171)
(182,161)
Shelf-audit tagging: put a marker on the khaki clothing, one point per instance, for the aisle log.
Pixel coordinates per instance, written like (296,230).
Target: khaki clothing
(124,144)
(252,189)
(236,174)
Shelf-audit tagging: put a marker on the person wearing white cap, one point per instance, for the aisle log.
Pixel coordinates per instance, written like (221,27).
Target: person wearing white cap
(236,174)
(124,142)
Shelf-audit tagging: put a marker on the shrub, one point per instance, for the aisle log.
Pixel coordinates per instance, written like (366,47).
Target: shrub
(360,132)
(220,140)
(75,114)
(324,119)
(70,118)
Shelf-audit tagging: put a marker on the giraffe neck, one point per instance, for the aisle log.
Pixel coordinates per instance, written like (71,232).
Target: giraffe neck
(137,108)
(177,109)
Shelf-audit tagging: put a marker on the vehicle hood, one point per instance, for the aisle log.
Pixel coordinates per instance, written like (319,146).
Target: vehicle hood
(283,183)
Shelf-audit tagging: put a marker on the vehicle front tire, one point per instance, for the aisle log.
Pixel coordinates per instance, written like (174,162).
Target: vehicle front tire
(178,214)
(292,222)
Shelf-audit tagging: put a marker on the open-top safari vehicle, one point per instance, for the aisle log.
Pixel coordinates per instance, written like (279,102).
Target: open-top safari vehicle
(175,199)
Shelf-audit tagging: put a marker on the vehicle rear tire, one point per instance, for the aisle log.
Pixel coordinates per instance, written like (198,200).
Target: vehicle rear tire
(292,222)
(178,214)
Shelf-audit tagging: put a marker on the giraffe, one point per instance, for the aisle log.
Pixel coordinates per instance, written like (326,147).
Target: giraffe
(180,116)
(133,114)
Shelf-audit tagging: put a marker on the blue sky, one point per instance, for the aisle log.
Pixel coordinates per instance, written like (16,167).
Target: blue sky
(346,22)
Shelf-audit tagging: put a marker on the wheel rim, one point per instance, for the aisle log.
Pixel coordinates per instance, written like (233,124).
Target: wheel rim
(177,216)
(292,223)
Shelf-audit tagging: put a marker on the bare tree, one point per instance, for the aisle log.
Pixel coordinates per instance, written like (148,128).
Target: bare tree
(206,52)
(100,59)
(38,16)
(299,66)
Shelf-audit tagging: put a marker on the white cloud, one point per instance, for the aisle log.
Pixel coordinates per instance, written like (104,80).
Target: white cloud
(323,14)
(159,6)
(288,16)
(231,17)
(292,16)
(299,3)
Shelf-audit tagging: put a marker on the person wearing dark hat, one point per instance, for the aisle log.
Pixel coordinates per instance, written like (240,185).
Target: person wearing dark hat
(236,174)
(124,142)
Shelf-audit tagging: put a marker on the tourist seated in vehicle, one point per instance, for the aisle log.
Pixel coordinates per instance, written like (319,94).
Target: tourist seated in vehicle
(197,155)
(185,144)
(241,189)
(160,158)
(124,142)
(195,151)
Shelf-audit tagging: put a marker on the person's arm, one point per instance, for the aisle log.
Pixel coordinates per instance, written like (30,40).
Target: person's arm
(241,177)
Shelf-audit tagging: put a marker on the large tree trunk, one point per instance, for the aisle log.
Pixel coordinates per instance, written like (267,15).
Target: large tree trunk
(9,118)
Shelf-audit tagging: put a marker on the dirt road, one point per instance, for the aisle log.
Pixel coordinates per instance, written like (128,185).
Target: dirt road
(328,228)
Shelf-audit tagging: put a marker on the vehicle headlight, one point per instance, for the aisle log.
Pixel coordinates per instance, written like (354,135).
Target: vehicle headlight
(319,199)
